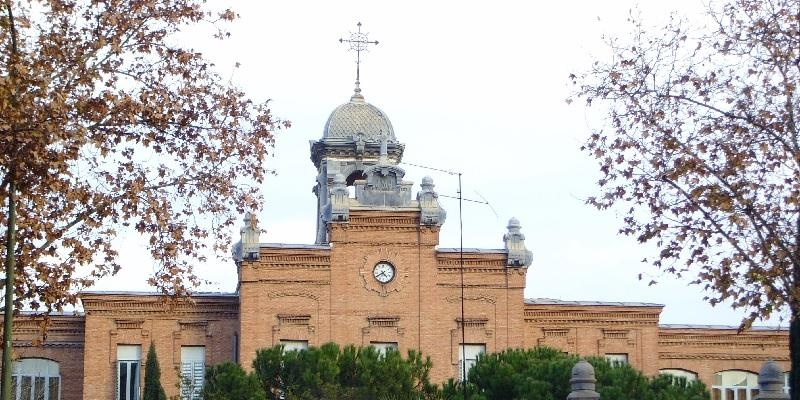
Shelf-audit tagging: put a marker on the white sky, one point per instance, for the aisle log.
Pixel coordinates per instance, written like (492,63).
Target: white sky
(475,87)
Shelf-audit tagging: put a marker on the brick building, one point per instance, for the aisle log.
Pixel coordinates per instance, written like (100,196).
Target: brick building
(375,276)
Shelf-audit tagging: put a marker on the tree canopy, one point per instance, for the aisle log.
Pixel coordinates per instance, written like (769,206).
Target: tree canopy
(544,373)
(228,381)
(702,151)
(108,122)
(152,377)
(351,372)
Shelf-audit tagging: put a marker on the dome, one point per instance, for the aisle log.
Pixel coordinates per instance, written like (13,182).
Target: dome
(358,116)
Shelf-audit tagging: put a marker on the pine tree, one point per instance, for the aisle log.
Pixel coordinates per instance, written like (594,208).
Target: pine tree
(152,377)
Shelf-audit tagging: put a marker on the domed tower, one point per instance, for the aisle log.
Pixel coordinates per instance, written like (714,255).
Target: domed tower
(351,143)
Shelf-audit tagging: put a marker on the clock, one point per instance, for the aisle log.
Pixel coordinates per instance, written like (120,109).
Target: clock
(383,272)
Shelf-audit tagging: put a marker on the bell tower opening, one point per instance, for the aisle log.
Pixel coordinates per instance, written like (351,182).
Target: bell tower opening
(353,177)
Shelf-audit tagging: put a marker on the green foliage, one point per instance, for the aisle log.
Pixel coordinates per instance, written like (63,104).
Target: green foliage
(332,372)
(543,373)
(152,377)
(228,381)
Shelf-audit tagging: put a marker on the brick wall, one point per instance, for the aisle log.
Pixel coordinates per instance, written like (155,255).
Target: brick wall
(327,293)
(130,319)
(597,329)
(60,341)
(708,350)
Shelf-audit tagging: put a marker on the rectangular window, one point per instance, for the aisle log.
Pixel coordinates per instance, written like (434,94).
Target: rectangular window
(193,367)
(384,347)
(129,359)
(470,353)
(294,345)
(617,358)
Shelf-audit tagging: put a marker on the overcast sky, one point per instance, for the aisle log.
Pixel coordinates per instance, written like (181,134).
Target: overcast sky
(474,87)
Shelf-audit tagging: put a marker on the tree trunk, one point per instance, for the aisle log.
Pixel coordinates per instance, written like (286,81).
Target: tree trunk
(11,226)
(8,313)
(794,353)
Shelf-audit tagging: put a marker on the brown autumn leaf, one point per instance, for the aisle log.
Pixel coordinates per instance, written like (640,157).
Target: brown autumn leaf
(106,122)
(710,167)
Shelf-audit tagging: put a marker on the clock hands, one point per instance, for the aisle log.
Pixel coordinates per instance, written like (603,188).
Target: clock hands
(383,272)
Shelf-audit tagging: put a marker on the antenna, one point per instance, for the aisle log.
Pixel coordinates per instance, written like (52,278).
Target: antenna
(461,269)
(458,196)
(358,41)
(461,199)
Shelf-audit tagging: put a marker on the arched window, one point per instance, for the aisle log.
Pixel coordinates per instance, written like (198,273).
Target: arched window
(36,379)
(734,385)
(680,373)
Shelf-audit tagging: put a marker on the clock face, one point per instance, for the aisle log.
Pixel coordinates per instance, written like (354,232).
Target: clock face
(383,272)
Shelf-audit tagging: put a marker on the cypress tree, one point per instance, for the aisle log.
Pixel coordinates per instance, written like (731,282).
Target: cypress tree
(152,377)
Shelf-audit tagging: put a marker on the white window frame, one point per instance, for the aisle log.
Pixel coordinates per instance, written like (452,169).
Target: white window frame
(384,347)
(735,385)
(679,373)
(786,387)
(193,369)
(294,345)
(617,358)
(41,373)
(470,351)
(129,359)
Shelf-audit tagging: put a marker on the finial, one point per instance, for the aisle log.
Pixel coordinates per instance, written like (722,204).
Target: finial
(518,254)
(583,382)
(358,41)
(249,244)
(770,382)
(384,156)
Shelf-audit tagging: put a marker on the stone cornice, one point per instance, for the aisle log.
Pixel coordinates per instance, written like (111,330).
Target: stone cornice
(595,323)
(454,259)
(48,344)
(476,269)
(723,340)
(447,263)
(293,293)
(483,297)
(371,242)
(205,306)
(315,282)
(280,259)
(56,326)
(721,356)
(567,315)
(366,219)
(473,285)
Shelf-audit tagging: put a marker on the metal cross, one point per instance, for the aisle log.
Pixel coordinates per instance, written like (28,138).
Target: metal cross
(358,41)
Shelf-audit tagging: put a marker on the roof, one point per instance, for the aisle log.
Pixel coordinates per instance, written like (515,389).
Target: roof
(725,327)
(32,313)
(296,246)
(143,293)
(545,301)
(469,250)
